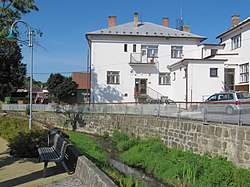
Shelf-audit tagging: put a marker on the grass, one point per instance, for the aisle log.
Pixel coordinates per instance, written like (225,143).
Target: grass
(89,147)
(181,168)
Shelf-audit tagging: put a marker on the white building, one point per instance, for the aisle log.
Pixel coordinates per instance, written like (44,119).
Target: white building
(236,42)
(138,60)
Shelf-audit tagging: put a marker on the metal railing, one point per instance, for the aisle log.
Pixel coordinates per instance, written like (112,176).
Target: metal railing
(178,110)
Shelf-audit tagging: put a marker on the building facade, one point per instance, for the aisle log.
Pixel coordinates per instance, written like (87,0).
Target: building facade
(138,60)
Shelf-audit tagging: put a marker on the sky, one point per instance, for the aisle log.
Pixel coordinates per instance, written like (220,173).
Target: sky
(63,48)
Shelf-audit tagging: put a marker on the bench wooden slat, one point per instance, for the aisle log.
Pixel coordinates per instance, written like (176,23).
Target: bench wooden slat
(55,153)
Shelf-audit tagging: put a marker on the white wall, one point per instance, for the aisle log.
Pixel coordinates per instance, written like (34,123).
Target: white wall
(109,55)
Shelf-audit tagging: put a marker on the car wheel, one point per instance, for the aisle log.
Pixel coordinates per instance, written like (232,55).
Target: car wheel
(229,110)
(203,110)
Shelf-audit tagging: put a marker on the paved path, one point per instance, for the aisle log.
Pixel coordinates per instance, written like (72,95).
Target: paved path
(27,172)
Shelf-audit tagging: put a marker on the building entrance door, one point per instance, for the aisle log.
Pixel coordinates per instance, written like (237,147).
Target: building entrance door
(140,87)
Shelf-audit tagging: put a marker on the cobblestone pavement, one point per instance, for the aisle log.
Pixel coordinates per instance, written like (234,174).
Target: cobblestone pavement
(67,182)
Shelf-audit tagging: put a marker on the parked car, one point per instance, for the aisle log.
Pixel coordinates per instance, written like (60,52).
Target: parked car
(226,102)
(158,106)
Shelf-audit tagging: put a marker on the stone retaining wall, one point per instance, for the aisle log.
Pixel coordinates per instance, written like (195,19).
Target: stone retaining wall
(231,141)
(91,175)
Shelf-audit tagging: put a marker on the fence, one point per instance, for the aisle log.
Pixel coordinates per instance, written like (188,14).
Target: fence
(216,113)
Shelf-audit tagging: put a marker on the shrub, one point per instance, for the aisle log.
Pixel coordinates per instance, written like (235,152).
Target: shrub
(25,145)
(11,127)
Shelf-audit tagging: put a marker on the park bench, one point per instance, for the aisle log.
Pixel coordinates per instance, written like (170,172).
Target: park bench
(55,153)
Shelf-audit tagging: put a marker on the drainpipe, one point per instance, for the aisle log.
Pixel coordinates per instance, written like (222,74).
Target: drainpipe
(186,86)
(89,68)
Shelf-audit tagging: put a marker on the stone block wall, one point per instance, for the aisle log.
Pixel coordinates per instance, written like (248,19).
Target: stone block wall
(231,141)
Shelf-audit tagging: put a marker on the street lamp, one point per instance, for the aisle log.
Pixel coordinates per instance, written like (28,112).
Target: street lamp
(13,37)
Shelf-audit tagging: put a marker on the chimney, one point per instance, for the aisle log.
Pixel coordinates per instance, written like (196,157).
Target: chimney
(235,20)
(185,28)
(165,22)
(136,19)
(111,21)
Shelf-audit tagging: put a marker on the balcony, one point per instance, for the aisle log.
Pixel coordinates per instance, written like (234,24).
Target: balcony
(137,59)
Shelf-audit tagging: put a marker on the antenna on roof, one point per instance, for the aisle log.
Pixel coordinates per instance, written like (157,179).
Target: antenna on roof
(179,21)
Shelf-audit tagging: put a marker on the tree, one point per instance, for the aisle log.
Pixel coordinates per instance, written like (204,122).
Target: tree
(12,72)
(60,86)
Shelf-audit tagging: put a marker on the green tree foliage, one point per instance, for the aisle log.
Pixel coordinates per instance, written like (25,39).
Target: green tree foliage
(12,71)
(60,86)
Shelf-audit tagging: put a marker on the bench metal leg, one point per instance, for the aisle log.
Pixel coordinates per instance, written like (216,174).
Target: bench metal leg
(65,167)
(45,168)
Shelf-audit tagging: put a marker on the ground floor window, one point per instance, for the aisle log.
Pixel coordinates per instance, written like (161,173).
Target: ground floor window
(164,79)
(113,77)
(213,72)
(244,73)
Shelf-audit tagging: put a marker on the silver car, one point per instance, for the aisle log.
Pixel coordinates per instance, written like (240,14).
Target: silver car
(226,102)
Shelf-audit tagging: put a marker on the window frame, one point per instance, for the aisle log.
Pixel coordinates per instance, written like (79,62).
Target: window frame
(212,73)
(152,51)
(134,48)
(125,48)
(236,42)
(113,77)
(244,73)
(176,51)
(164,78)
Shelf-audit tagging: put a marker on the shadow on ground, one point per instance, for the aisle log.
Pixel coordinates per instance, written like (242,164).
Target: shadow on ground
(51,171)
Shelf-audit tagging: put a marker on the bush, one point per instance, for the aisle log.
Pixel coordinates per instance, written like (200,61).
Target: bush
(25,145)
(11,127)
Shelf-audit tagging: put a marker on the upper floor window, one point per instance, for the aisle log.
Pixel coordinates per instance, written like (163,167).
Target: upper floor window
(134,48)
(164,79)
(125,48)
(176,51)
(213,72)
(113,77)
(150,50)
(244,73)
(236,42)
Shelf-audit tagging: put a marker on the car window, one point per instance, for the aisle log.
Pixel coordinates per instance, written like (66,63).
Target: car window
(212,98)
(243,95)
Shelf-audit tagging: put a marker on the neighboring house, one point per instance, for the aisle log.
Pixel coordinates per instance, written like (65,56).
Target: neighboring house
(82,79)
(236,49)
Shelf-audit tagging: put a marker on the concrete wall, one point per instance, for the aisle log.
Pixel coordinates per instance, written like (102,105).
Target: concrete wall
(229,140)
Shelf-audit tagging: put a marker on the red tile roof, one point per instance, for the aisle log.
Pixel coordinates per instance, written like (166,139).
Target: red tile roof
(82,79)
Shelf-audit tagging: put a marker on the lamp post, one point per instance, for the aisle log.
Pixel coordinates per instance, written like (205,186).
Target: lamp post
(13,37)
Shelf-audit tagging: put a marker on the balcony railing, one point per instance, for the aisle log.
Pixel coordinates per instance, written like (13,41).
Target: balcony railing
(138,59)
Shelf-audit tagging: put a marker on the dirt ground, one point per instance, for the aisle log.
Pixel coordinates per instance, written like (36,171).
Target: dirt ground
(25,172)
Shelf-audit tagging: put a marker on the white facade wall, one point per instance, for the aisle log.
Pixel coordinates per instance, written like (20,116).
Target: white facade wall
(198,84)
(109,55)
(241,54)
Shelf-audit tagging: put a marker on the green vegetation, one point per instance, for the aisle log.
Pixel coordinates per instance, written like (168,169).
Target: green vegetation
(180,168)
(22,141)
(171,166)
(94,152)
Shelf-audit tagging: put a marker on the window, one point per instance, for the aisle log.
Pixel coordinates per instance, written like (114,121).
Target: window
(244,73)
(176,51)
(150,50)
(113,77)
(214,51)
(125,47)
(213,72)
(164,79)
(236,42)
(134,48)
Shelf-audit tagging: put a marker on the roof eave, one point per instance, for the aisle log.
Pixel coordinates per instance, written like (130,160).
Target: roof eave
(234,28)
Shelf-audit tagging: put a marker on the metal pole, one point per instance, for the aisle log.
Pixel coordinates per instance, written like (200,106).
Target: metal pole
(31,76)
(31,63)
